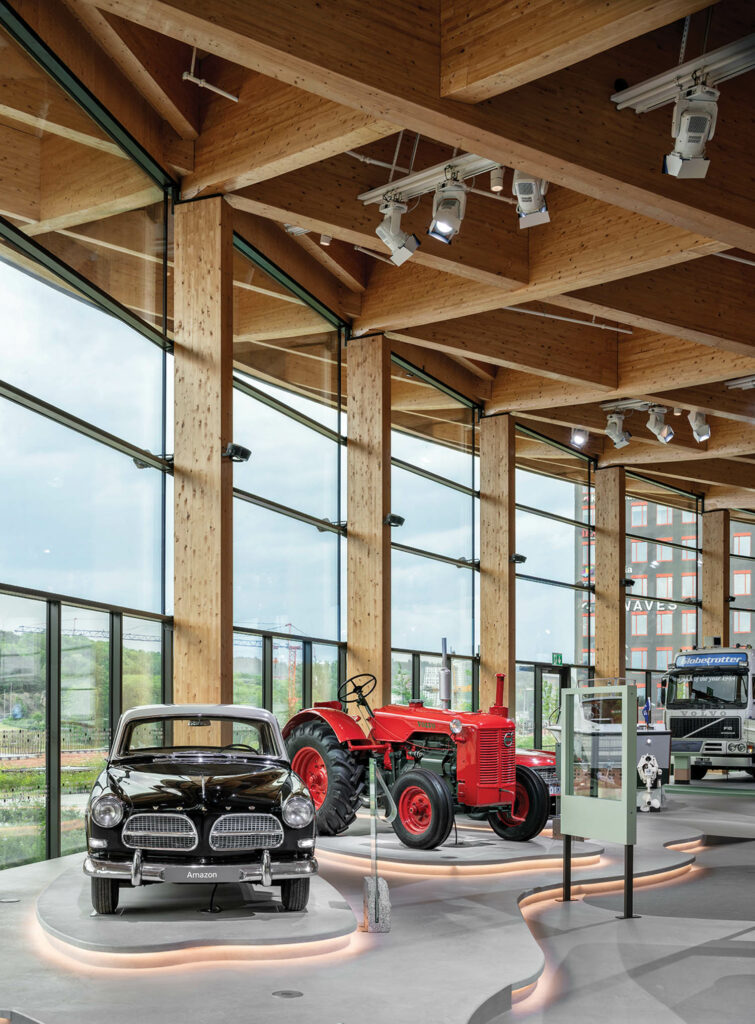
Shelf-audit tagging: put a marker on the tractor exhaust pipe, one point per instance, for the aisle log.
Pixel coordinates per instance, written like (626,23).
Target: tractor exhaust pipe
(500,679)
(445,677)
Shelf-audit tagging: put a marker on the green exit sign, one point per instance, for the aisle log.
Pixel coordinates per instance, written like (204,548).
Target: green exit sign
(557,659)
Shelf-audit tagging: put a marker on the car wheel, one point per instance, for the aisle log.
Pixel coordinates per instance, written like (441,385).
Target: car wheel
(698,771)
(425,811)
(104,895)
(332,775)
(295,893)
(532,802)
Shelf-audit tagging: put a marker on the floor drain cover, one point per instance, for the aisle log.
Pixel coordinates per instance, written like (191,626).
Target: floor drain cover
(288,993)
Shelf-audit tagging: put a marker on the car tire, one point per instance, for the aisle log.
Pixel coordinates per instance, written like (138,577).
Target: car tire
(332,774)
(104,895)
(295,893)
(532,802)
(698,772)
(424,809)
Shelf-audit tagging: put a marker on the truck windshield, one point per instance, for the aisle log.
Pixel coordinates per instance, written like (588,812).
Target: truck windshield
(707,689)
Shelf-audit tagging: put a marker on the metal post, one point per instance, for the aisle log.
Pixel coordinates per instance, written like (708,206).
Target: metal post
(373,837)
(53,729)
(628,882)
(116,670)
(307,674)
(267,672)
(566,891)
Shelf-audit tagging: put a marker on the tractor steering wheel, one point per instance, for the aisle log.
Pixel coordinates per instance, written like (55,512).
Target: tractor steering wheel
(352,692)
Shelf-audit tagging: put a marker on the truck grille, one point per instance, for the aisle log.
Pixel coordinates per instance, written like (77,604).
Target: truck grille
(159,832)
(496,759)
(246,832)
(705,728)
(549,775)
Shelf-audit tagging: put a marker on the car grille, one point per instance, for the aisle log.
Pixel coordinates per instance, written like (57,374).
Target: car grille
(246,832)
(159,832)
(496,759)
(705,728)
(549,775)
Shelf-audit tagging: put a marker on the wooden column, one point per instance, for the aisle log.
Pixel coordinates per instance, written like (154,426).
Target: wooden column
(715,576)
(203,638)
(497,571)
(369,502)
(610,570)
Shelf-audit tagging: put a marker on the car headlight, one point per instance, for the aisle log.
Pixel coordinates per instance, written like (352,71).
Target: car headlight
(107,811)
(298,811)
(456,726)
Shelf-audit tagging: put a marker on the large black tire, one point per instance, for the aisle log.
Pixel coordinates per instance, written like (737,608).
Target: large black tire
(698,771)
(532,803)
(295,893)
(750,772)
(104,895)
(337,801)
(425,810)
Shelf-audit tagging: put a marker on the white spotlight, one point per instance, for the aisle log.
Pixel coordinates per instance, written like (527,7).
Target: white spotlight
(325,239)
(579,436)
(530,193)
(693,126)
(700,426)
(615,430)
(401,244)
(496,179)
(657,424)
(449,205)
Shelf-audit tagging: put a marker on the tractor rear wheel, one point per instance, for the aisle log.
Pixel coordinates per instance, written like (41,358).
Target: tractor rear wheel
(333,776)
(698,771)
(425,811)
(532,802)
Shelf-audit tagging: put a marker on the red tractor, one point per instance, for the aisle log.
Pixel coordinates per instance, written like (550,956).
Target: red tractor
(434,761)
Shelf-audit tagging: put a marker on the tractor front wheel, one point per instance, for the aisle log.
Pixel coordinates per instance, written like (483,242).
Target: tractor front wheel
(332,774)
(532,802)
(425,811)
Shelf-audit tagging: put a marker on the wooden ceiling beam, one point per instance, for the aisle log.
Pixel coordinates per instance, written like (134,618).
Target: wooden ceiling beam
(707,471)
(445,369)
(549,348)
(711,399)
(152,62)
(342,260)
(729,497)
(490,48)
(541,127)
(274,129)
(683,300)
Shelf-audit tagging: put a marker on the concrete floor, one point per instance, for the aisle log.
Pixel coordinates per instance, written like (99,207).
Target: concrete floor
(458,945)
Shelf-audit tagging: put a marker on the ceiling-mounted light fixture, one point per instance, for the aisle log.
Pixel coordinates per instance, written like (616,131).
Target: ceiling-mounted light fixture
(449,205)
(496,179)
(401,244)
(579,436)
(325,239)
(530,193)
(742,383)
(615,430)
(700,426)
(657,424)
(693,125)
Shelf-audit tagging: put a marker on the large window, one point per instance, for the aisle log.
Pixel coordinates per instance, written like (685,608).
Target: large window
(741,568)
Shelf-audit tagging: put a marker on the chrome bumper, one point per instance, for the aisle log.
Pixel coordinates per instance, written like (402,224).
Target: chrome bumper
(137,870)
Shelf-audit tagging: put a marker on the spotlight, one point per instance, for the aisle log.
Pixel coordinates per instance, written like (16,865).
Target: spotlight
(325,239)
(392,519)
(402,245)
(615,430)
(693,125)
(657,424)
(449,204)
(530,193)
(237,453)
(518,559)
(579,436)
(496,179)
(700,426)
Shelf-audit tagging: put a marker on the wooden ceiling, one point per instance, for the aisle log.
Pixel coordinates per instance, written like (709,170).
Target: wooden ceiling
(638,288)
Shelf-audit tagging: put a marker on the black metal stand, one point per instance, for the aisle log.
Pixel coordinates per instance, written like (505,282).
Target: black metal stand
(566,888)
(628,885)
(213,907)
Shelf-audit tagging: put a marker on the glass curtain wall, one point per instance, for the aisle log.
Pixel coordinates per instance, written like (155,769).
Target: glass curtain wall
(288,530)
(555,533)
(664,560)
(434,567)
(741,569)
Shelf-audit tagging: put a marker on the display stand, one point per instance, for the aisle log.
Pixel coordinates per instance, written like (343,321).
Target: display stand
(377,904)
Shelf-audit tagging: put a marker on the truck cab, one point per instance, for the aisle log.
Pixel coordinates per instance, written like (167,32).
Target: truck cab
(709,708)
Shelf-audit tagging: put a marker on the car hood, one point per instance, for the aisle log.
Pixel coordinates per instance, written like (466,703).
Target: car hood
(185,785)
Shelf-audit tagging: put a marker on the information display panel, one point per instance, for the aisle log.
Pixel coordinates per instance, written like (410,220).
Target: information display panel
(599,763)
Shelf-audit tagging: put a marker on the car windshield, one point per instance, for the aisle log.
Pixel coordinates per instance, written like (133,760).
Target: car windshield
(707,689)
(203,734)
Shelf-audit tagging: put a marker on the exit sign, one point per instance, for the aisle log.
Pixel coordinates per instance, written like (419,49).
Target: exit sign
(557,659)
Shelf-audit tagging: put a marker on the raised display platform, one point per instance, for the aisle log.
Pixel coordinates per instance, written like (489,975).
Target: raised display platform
(164,917)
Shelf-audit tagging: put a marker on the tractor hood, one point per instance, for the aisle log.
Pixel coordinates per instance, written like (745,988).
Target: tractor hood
(183,784)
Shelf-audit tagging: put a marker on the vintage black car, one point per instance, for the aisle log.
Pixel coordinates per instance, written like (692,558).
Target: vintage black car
(199,793)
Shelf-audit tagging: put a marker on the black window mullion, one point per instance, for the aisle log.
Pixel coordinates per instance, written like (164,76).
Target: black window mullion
(307,674)
(52,681)
(415,676)
(116,670)
(167,662)
(267,672)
